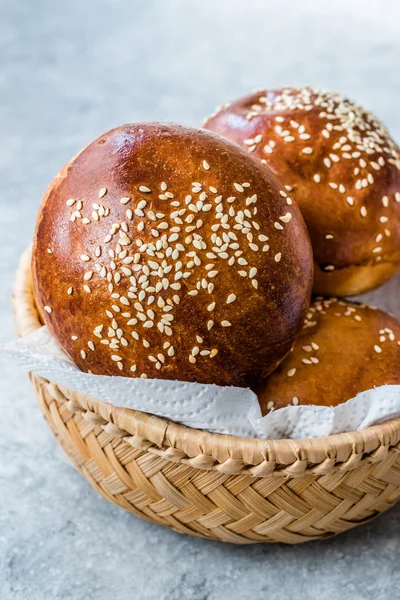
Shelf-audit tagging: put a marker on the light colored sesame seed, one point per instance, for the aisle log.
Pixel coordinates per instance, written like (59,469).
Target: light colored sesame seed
(231,298)
(144,189)
(206,166)
(102,192)
(278,257)
(291,372)
(226,323)
(48,309)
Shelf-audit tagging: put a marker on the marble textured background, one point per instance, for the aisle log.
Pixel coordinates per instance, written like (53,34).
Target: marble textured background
(69,70)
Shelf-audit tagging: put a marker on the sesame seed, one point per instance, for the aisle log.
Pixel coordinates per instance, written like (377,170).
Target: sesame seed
(363,211)
(238,187)
(85,257)
(102,192)
(144,189)
(206,166)
(278,257)
(226,323)
(231,298)
(377,349)
(307,150)
(291,372)
(48,309)
(83,354)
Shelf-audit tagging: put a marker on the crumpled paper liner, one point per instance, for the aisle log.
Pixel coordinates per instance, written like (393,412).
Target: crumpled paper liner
(218,409)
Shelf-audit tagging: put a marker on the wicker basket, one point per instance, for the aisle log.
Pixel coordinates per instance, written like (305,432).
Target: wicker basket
(218,486)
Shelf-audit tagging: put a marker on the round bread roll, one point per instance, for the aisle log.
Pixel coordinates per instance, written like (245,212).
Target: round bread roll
(342,350)
(343,170)
(156,251)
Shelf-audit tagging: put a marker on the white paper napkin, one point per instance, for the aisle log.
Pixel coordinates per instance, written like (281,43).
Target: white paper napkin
(215,408)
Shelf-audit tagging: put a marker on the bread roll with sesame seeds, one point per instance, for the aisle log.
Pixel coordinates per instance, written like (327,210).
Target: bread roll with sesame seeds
(167,252)
(342,168)
(342,350)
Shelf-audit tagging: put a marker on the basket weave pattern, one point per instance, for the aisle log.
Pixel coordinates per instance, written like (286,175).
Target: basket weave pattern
(221,487)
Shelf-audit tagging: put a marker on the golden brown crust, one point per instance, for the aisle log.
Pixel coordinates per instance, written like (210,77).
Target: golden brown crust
(353,280)
(342,350)
(337,160)
(158,248)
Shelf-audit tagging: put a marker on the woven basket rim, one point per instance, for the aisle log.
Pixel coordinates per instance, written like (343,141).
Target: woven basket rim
(203,449)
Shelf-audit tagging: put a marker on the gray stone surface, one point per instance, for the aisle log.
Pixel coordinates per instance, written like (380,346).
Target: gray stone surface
(69,70)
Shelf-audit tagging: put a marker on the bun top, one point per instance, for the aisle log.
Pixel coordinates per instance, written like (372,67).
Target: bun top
(337,160)
(166,252)
(343,349)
